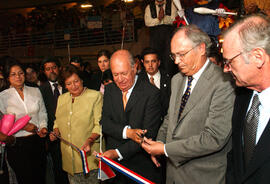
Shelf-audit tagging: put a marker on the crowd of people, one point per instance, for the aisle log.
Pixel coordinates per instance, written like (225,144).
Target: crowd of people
(209,123)
(53,18)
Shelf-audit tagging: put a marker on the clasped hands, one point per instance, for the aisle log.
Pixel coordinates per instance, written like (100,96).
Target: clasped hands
(137,135)
(153,148)
(30,127)
(134,134)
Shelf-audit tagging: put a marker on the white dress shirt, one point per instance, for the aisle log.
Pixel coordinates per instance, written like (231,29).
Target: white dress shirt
(196,77)
(60,89)
(264,109)
(156,78)
(33,105)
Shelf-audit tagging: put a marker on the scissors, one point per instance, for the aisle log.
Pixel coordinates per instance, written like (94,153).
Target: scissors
(141,136)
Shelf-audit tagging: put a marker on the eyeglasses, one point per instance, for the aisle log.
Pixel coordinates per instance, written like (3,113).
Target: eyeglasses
(178,55)
(228,62)
(16,74)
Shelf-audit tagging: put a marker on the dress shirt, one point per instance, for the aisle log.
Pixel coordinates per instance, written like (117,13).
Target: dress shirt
(60,89)
(167,20)
(124,134)
(102,88)
(264,109)
(33,105)
(196,77)
(156,78)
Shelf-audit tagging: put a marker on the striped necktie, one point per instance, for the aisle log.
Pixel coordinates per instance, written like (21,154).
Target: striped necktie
(185,96)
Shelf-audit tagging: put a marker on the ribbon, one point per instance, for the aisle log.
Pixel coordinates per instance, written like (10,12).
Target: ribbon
(84,162)
(81,152)
(129,173)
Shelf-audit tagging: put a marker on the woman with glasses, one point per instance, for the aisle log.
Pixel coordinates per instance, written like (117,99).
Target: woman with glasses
(27,156)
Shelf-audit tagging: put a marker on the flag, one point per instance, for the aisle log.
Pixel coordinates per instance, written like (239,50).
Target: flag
(129,173)
(104,171)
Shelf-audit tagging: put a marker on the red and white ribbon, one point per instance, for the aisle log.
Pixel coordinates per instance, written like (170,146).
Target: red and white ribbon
(129,173)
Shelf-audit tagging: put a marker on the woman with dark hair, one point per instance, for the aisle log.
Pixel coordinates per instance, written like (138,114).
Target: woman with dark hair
(77,120)
(27,156)
(103,58)
(32,75)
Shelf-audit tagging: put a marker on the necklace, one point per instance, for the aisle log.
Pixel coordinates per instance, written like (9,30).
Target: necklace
(73,97)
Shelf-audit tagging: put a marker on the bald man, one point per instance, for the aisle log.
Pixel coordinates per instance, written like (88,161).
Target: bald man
(130,106)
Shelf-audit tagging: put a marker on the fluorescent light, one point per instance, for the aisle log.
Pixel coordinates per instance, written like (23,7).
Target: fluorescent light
(86,6)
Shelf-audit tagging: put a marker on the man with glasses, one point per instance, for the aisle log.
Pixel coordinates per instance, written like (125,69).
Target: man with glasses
(195,133)
(246,52)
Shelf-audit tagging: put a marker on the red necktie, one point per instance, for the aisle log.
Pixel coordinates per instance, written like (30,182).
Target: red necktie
(161,12)
(152,80)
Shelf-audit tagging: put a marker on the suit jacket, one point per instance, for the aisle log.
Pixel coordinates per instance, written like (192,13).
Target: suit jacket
(96,80)
(165,88)
(198,143)
(142,111)
(257,170)
(47,94)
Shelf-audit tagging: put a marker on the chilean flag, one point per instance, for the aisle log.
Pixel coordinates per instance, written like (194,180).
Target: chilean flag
(127,172)
(104,171)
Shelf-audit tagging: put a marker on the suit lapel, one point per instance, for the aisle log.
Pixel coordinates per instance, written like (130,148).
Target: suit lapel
(261,152)
(134,97)
(50,91)
(180,85)
(118,101)
(199,90)
(163,81)
(240,110)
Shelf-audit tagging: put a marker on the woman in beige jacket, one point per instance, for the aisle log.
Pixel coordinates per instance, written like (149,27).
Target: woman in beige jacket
(77,120)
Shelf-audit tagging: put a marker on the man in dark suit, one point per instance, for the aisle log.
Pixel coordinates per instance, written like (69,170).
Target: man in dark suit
(156,76)
(50,91)
(246,50)
(196,131)
(129,105)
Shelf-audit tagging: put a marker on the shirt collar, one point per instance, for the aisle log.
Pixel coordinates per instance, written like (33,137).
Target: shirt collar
(197,75)
(264,97)
(130,89)
(156,76)
(52,83)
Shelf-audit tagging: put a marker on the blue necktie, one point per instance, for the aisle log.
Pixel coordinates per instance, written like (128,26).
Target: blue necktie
(185,96)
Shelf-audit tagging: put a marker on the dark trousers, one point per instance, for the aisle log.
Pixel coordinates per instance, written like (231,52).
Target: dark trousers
(28,159)
(54,150)
(4,177)
(160,40)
